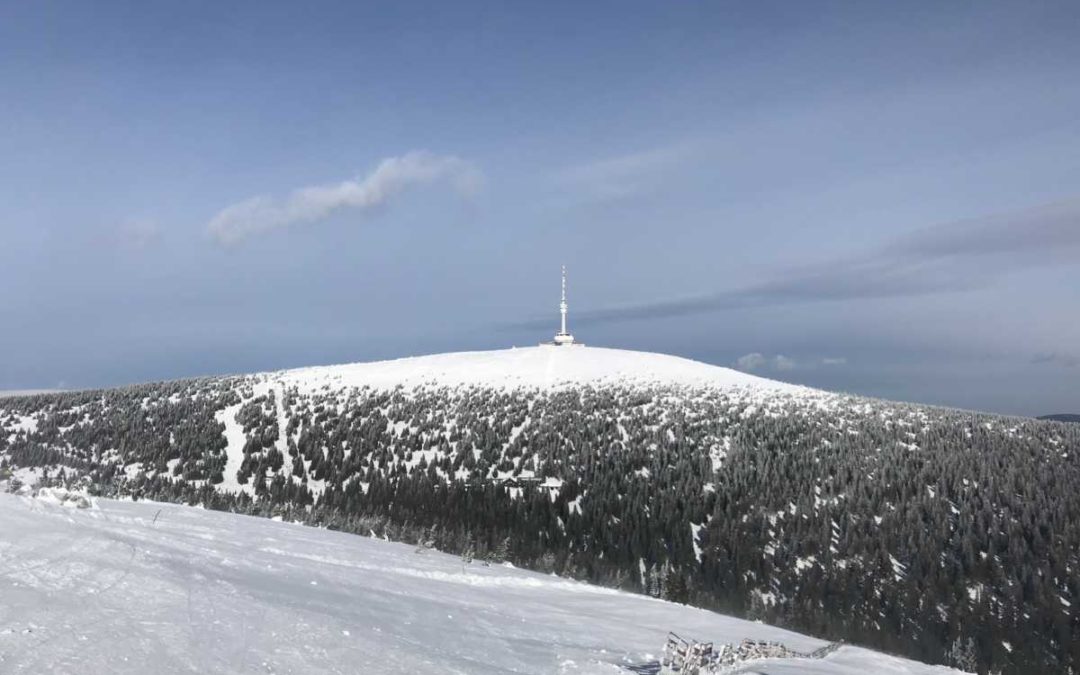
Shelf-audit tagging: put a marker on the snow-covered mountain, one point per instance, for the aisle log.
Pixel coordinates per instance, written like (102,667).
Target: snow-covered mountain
(543,366)
(144,587)
(947,536)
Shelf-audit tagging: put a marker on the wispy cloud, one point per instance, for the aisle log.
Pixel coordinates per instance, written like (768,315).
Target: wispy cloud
(781,363)
(758,361)
(1056,359)
(957,256)
(623,176)
(751,361)
(393,176)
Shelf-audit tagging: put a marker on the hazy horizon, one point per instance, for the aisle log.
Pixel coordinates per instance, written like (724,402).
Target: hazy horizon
(877,200)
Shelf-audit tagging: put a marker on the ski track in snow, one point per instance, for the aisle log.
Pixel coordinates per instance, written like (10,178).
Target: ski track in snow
(108,590)
(236,438)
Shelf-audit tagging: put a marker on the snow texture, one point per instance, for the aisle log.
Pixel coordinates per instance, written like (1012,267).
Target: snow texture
(109,590)
(542,367)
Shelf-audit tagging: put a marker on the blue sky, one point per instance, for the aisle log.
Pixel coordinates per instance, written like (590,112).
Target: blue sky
(879,198)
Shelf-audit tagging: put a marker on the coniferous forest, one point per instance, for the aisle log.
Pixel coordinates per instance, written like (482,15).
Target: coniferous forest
(941,535)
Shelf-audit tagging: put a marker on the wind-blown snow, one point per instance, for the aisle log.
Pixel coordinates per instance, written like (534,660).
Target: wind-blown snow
(108,590)
(544,366)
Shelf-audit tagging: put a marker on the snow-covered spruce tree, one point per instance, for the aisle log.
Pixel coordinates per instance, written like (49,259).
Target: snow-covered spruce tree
(899,527)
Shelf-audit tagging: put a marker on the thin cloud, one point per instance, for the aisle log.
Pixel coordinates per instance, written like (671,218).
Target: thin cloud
(1033,231)
(751,361)
(393,176)
(782,363)
(615,178)
(1056,359)
(959,256)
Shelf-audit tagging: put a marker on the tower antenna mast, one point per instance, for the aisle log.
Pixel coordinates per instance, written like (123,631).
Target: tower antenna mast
(562,305)
(563,337)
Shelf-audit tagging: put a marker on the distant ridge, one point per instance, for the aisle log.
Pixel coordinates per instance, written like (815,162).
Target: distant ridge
(9,393)
(1061,417)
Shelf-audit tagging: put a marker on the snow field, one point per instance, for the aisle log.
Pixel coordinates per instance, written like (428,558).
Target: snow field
(110,590)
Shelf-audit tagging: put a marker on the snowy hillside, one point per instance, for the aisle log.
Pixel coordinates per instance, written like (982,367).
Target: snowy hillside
(945,536)
(544,366)
(109,589)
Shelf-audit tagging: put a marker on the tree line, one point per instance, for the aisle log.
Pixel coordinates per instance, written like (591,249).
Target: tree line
(946,536)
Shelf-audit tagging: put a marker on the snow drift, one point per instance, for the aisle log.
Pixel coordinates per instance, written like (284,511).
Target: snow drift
(146,587)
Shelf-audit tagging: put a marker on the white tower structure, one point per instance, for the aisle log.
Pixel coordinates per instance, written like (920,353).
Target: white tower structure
(563,337)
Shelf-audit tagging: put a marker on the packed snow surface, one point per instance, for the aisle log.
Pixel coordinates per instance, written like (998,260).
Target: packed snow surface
(109,590)
(544,366)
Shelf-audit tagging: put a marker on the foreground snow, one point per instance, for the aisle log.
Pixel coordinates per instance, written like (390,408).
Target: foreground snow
(107,589)
(543,366)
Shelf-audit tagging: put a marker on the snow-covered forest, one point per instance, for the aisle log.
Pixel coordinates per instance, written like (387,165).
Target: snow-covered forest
(927,532)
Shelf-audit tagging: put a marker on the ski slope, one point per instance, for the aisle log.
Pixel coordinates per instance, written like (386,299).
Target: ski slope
(543,366)
(108,590)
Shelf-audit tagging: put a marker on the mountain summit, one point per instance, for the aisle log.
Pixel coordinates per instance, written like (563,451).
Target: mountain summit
(886,524)
(542,367)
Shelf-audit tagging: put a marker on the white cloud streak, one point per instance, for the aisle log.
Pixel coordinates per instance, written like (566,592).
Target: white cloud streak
(393,176)
(781,363)
(751,361)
